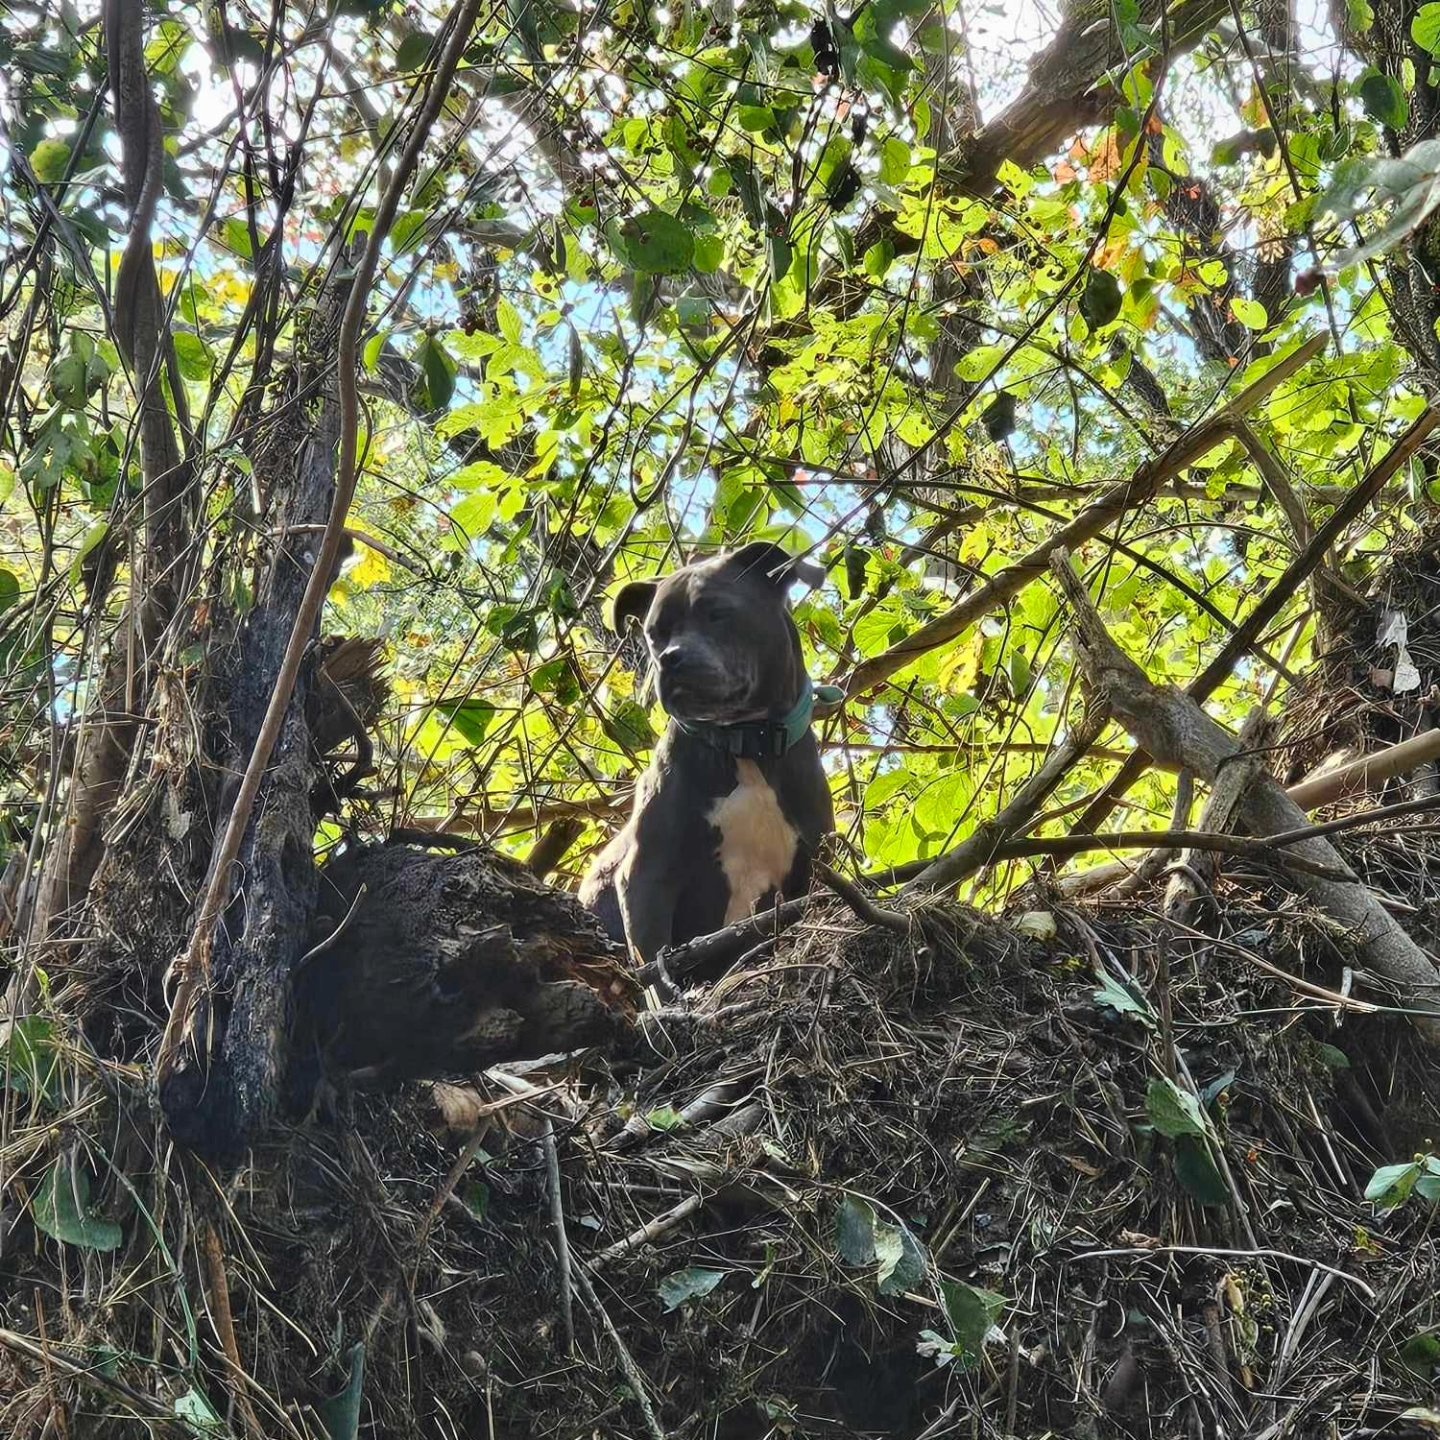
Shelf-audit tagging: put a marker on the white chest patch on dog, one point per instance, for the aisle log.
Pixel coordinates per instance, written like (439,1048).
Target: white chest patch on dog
(757,842)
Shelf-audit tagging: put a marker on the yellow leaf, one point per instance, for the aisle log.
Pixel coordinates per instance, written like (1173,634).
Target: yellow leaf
(962,664)
(373,569)
(976,545)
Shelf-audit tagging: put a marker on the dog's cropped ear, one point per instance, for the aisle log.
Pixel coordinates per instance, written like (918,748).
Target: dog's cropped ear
(775,564)
(632,603)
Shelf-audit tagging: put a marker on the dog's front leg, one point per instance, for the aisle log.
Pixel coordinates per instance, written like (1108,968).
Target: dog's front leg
(648,891)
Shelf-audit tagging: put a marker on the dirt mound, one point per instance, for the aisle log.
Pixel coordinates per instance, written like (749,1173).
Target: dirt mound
(963,1180)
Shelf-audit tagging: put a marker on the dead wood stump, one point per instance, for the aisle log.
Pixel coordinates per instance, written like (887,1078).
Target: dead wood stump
(443,964)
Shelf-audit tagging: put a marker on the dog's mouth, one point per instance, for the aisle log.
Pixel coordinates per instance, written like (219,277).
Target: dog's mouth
(687,698)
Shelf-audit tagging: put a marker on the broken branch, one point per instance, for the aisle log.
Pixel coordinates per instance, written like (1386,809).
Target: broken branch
(1171,726)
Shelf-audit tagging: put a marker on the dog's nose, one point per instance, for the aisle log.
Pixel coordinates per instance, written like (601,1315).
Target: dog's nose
(671,658)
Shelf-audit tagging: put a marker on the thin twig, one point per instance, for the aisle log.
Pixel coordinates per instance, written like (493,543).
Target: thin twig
(321,946)
(633,1373)
(650,1230)
(1137,1252)
(863,906)
(218,1292)
(562,1239)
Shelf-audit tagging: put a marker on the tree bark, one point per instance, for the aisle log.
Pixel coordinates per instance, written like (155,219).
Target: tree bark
(142,334)
(425,965)
(214,1102)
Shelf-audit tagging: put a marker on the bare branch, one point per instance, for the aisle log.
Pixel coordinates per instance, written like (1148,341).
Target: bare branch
(1142,487)
(1171,726)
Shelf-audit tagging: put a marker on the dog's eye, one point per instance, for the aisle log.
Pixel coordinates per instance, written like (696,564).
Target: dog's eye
(714,611)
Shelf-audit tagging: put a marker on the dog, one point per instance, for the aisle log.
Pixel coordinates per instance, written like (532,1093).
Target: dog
(735,800)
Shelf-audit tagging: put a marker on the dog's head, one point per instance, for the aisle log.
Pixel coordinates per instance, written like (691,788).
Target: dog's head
(721,637)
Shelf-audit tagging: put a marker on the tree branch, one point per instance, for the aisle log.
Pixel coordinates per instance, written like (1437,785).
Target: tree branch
(1275,600)
(1193,445)
(1171,726)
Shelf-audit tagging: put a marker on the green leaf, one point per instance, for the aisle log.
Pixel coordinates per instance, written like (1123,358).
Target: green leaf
(48,160)
(979,363)
(520,631)
(437,375)
(628,726)
(1425,28)
(682,1285)
(408,231)
(903,1259)
(67,377)
(193,356)
(61,1208)
(971,1313)
(782,257)
(889,1251)
(1333,1058)
(1421,1353)
(472,515)
(1173,1111)
(9,588)
(1101,302)
(413,51)
(855,1230)
(655,243)
(878,259)
(1384,100)
(746,180)
(198,1415)
(168,47)
(1197,1172)
(29,1056)
(1250,313)
(235,235)
(481,475)
(340,1414)
(1117,997)
(665,1119)
(507,321)
(709,256)
(471,718)
(1391,1185)
(374,348)
(894,161)
(1412,182)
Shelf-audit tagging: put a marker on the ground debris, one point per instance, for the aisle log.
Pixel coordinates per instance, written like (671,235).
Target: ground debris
(946,1182)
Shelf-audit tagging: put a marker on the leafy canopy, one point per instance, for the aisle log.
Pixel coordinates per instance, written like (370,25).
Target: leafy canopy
(674,278)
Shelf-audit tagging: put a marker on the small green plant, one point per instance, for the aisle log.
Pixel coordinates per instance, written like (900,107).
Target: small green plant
(1392,1185)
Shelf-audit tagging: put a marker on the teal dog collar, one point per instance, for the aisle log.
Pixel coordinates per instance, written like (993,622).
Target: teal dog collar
(764,739)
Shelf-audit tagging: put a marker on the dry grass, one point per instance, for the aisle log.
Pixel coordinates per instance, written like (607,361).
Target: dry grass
(956,1082)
